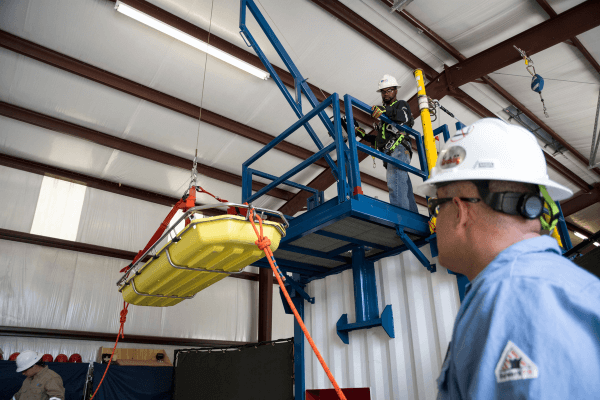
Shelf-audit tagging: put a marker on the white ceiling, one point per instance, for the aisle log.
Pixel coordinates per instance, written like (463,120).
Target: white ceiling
(333,57)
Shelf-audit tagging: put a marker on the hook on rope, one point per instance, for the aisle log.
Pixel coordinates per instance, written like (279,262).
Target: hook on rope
(537,82)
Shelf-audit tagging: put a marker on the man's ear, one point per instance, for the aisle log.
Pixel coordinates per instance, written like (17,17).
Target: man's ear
(461,215)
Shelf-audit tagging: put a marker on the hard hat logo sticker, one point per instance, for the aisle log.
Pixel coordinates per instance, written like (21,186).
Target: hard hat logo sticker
(453,157)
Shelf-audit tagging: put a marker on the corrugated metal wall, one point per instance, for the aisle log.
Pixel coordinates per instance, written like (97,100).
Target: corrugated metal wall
(424,306)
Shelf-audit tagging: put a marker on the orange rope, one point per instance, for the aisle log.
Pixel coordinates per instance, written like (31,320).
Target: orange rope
(264,244)
(120,334)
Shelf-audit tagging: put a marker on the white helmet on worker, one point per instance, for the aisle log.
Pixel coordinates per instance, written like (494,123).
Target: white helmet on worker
(491,149)
(387,81)
(27,359)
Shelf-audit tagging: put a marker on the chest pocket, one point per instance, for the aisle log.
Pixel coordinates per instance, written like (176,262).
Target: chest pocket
(34,392)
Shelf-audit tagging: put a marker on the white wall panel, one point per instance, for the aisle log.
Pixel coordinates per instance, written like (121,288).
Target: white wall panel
(50,288)
(283,324)
(19,193)
(406,367)
(119,222)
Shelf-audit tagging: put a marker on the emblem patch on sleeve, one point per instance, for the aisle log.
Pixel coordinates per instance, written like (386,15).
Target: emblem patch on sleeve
(514,365)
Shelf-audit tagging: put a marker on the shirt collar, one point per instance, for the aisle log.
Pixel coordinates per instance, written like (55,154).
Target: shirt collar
(538,244)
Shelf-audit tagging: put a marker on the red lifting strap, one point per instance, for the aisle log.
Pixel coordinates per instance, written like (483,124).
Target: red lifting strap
(188,201)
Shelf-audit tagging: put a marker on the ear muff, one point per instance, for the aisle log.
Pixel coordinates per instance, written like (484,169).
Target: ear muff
(527,205)
(531,206)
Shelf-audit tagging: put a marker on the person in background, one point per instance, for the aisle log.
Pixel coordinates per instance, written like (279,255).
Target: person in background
(41,383)
(529,324)
(393,142)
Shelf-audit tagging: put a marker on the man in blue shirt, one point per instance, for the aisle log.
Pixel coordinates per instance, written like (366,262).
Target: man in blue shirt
(529,325)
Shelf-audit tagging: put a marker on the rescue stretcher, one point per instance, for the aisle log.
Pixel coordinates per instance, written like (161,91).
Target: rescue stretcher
(206,251)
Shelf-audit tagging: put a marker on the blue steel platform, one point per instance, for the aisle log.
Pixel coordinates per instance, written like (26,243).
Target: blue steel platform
(320,242)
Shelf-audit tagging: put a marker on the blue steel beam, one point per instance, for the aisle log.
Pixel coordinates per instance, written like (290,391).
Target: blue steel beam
(289,281)
(343,190)
(353,153)
(297,169)
(415,250)
(322,216)
(251,172)
(292,266)
(352,240)
(341,250)
(293,128)
(366,305)
(298,79)
(385,214)
(444,131)
(361,207)
(391,160)
(309,252)
(563,230)
(397,250)
(423,172)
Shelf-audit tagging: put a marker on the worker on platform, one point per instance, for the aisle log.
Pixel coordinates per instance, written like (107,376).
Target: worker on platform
(529,324)
(41,383)
(394,142)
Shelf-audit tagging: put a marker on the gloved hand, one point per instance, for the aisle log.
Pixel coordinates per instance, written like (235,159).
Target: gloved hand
(377,111)
(359,131)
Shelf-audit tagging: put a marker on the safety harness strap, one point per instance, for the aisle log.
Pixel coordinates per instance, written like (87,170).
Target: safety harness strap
(550,222)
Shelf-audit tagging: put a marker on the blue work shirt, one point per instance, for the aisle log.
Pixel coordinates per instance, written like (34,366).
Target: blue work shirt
(528,328)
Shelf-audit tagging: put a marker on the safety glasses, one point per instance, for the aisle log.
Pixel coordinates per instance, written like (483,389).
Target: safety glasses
(433,203)
(390,90)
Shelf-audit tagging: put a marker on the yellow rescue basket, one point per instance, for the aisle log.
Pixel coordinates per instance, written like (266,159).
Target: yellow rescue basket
(206,251)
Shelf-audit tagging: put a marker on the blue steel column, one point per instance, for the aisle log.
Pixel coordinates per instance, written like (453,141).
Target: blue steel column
(365,287)
(299,377)
(342,185)
(563,231)
(353,159)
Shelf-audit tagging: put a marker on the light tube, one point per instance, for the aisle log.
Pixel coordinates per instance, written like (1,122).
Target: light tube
(579,235)
(189,40)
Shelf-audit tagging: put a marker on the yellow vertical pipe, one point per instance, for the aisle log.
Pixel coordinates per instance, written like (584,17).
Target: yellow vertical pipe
(430,148)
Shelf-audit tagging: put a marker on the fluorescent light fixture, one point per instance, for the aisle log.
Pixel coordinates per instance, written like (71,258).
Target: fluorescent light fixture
(579,235)
(190,40)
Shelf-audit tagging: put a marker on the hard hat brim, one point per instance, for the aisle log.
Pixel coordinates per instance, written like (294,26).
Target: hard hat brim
(396,86)
(30,364)
(556,191)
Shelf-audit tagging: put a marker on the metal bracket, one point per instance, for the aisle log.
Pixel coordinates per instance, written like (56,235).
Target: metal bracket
(414,249)
(386,321)
(299,291)
(432,240)
(315,200)
(365,300)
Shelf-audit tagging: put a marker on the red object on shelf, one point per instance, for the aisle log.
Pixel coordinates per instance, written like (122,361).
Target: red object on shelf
(330,394)
(47,358)
(61,358)
(13,357)
(75,358)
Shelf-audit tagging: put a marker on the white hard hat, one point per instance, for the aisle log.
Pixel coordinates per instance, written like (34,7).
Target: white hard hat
(491,149)
(27,359)
(387,81)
